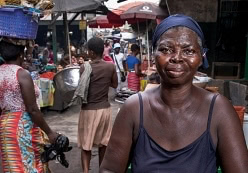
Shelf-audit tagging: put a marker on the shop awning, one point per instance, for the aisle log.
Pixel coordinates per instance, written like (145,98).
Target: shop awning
(76,5)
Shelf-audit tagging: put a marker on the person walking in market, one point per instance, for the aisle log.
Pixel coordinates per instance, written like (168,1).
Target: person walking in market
(94,126)
(47,54)
(21,121)
(119,60)
(133,65)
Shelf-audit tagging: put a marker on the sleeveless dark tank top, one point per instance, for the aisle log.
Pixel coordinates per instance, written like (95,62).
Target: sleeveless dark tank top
(197,157)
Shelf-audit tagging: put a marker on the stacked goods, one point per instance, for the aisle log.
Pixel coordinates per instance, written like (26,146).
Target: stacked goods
(44,5)
(38,4)
(2,2)
(33,1)
(13,2)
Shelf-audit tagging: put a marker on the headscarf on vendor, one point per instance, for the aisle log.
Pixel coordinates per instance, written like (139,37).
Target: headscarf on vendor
(185,21)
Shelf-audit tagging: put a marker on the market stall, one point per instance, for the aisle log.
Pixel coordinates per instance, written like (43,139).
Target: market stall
(46,97)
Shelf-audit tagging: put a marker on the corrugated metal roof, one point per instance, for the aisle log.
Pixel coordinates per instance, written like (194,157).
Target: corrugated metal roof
(70,16)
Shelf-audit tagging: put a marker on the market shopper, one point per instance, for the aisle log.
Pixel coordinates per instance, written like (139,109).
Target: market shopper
(133,65)
(94,126)
(21,122)
(119,61)
(107,48)
(106,52)
(172,131)
(80,60)
(47,54)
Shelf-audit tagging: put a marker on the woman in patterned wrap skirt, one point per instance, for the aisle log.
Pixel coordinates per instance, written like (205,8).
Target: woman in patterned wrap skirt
(21,121)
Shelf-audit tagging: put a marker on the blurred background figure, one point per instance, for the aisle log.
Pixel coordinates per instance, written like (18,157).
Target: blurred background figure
(119,61)
(133,65)
(80,60)
(47,54)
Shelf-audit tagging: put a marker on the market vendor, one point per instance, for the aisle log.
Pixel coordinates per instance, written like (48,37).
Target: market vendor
(177,127)
(80,60)
(133,65)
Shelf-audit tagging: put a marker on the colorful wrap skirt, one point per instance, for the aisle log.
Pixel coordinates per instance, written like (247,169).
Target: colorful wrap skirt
(21,144)
(133,81)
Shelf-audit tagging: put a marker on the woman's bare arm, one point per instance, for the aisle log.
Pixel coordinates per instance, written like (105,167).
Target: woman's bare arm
(231,147)
(28,95)
(119,147)
(114,80)
(137,69)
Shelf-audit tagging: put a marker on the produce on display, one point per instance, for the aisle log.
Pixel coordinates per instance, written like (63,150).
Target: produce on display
(38,4)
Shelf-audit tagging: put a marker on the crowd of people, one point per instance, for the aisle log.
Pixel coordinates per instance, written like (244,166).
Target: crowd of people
(164,129)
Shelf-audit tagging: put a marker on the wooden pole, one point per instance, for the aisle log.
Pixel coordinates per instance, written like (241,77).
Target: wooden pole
(54,36)
(66,31)
(140,43)
(246,60)
(148,47)
(67,37)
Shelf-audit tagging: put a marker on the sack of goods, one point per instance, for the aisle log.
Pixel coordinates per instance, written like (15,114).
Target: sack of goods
(19,18)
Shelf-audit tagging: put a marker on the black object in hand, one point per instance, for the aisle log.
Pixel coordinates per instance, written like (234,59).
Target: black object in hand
(56,150)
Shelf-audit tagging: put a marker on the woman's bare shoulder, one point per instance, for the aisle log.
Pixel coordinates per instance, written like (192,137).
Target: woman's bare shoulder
(131,105)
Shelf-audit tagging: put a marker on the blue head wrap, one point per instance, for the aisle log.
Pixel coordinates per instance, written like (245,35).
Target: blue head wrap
(178,20)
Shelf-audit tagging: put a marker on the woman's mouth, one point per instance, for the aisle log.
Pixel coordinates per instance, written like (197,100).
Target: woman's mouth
(174,74)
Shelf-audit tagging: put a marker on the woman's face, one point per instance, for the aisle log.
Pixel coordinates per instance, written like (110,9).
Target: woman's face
(178,56)
(25,65)
(73,59)
(80,60)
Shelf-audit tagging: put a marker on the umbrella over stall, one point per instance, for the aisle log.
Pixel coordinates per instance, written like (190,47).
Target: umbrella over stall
(114,15)
(144,11)
(103,22)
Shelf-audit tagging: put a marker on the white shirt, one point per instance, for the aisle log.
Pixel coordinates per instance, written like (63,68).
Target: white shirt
(120,58)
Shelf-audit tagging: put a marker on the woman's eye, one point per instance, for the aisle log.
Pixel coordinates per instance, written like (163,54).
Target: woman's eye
(189,52)
(166,50)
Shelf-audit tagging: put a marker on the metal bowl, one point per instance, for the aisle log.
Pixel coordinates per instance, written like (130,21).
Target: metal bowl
(66,82)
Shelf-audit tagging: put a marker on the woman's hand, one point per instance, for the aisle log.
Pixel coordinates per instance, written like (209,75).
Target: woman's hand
(52,137)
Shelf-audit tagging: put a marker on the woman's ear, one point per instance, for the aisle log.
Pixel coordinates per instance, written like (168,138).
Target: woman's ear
(201,61)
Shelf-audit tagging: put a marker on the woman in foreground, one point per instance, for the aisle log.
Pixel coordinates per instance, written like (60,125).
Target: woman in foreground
(178,126)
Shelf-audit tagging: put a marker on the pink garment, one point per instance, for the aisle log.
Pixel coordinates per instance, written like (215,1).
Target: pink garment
(106,51)
(50,57)
(10,91)
(108,59)
(133,81)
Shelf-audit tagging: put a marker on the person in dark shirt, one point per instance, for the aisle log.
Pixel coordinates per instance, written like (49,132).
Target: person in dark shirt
(177,127)
(94,127)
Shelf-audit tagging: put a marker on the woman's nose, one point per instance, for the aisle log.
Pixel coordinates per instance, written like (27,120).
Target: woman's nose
(176,58)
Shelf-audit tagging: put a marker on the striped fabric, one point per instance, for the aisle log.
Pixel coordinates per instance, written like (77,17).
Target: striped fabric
(21,144)
(133,81)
